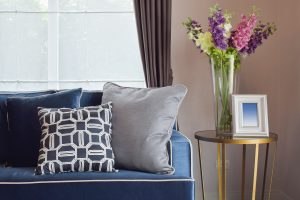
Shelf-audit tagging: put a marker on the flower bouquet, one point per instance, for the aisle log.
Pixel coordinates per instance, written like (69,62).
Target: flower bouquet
(225,45)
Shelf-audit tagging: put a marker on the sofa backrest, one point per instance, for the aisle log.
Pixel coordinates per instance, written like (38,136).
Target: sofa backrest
(89,98)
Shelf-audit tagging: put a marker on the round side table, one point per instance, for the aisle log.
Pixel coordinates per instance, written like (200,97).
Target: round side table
(211,136)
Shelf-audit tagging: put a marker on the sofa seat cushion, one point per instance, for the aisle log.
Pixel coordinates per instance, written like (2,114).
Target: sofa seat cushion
(26,175)
(22,184)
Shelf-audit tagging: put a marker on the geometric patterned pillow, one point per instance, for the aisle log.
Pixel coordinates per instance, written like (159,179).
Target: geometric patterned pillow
(75,140)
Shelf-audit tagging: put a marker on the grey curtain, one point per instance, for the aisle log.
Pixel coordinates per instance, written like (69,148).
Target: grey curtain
(153,18)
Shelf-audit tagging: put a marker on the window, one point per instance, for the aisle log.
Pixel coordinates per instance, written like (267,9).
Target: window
(58,44)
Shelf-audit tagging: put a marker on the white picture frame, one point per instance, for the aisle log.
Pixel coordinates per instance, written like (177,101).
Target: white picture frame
(250,116)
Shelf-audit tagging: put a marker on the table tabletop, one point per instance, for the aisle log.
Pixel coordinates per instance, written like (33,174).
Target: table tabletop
(212,136)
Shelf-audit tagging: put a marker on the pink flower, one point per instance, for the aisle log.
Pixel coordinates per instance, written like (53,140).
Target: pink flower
(241,35)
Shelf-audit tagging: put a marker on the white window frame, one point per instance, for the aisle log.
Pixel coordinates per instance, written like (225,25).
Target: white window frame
(53,46)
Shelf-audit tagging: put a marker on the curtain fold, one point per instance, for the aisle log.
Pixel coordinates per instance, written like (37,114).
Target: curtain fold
(153,19)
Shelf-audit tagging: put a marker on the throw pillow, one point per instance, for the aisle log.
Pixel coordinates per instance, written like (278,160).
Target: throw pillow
(75,140)
(142,125)
(24,127)
(3,118)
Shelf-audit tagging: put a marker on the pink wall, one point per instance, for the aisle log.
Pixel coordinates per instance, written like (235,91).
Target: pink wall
(273,70)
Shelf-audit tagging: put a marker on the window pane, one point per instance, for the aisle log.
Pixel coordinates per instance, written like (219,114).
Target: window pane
(112,47)
(96,5)
(23,46)
(24,5)
(72,47)
(7,5)
(72,5)
(32,53)
(31,5)
(8,47)
(110,5)
(101,46)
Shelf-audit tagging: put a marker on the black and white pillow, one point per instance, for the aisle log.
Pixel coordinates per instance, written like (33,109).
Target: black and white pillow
(75,140)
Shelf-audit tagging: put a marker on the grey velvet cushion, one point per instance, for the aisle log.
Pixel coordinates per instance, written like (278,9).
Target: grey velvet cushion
(142,122)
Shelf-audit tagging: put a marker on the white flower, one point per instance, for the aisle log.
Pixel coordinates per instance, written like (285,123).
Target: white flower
(205,42)
(227,28)
(190,35)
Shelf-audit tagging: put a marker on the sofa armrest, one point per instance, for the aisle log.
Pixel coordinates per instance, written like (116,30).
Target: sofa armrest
(182,156)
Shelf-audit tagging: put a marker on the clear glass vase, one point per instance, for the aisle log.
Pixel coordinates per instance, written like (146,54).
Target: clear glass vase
(224,80)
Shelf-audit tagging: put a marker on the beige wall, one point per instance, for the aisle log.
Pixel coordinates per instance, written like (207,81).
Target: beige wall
(273,70)
(290,97)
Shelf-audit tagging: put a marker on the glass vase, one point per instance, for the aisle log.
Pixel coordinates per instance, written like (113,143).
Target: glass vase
(224,80)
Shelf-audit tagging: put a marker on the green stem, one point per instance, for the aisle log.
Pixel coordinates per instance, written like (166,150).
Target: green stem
(224,116)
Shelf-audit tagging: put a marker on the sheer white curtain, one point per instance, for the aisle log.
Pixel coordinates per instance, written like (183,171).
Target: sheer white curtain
(56,44)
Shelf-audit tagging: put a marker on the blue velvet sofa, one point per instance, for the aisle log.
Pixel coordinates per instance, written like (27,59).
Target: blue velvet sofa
(22,184)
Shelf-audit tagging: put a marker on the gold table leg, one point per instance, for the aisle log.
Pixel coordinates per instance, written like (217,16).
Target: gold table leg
(265,172)
(223,172)
(273,164)
(201,170)
(255,172)
(219,171)
(243,172)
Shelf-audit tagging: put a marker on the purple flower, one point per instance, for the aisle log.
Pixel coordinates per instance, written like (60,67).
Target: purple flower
(216,22)
(261,32)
